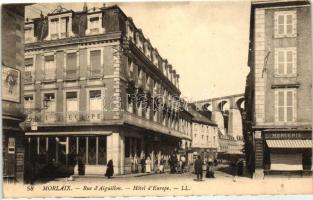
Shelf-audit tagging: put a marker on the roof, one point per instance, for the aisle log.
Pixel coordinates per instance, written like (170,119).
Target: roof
(198,117)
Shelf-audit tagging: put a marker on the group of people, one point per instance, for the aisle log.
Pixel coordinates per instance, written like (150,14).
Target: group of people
(147,165)
(198,168)
(177,163)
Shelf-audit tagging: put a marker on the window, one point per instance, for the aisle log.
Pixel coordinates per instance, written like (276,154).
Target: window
(285,101)
(54,29)
(94,25)
(29,33)
(71,65)
(50,107)
(64,27)
(50,68)
(95,105)
(285,24)
(29,105)
(71,106)
(286,61)
(28,69)
(95,62)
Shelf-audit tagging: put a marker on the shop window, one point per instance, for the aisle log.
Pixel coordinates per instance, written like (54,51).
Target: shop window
(127,147)
(102,156)
(92,150)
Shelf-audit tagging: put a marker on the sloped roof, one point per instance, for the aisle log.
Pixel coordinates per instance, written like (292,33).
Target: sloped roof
(198,116)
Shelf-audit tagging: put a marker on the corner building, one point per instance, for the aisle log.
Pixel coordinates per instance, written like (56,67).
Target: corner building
(279,88)
(96,88)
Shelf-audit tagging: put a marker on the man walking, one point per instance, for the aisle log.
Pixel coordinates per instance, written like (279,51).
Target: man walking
(198,168)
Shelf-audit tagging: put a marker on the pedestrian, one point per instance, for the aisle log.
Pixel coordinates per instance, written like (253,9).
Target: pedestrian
(135,163)
(198,168)
(183,160)
(233,170)
(143,163)
(148,164)
(210,169)
(240,167)
(110,170)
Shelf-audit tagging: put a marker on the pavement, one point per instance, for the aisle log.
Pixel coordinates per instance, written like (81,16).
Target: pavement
(163,185)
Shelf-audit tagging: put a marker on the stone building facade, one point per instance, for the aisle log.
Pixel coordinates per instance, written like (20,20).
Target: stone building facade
(204,134)
(96,89)
(278,91)
(12,21)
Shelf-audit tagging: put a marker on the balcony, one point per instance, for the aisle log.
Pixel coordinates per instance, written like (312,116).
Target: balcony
(49,76)
(95,73)
(71,74)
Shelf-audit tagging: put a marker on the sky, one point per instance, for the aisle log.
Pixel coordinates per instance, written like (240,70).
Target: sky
(206,42)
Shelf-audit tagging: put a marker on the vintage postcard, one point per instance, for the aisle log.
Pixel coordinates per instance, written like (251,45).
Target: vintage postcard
(104,99)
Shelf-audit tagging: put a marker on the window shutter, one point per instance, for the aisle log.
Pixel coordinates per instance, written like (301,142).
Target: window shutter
(294,61)
(294,23)
(71,61)
(276,24)
(276,62)
(276,106)
(294,105)
(95,59)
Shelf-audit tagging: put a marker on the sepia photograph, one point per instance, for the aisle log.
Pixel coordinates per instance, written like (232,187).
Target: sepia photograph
(156,98)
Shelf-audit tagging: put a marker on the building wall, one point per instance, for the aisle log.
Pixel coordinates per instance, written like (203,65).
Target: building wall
(204,136)
(12,23)
(303,44)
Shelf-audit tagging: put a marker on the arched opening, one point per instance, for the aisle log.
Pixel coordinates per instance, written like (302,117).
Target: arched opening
(223,107)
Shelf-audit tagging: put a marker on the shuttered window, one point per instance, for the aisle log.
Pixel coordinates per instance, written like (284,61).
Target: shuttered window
(286,61)
(64,27)
(54,29)
(71,61)
(285,24)
(285,103)
(50,98)
(50,68)
(28,102)
(95,61)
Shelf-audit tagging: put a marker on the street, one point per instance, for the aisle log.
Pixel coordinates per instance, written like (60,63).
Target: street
(165,184)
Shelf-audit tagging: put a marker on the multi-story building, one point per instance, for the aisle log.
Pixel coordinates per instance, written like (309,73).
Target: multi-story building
(12,27)
(279,87)
(204,134)
(96,89)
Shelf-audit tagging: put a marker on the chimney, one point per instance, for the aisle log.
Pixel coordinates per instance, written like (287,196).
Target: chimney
(85,8)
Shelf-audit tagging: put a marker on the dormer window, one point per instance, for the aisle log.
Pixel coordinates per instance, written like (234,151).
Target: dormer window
(94,25)
(60,26)
(64,27)
(54,29)
(29,33)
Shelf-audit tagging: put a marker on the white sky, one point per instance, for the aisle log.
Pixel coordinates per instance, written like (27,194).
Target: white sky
(206,42)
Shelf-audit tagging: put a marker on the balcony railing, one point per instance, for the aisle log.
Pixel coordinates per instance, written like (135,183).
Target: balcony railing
(95,73)
(71,74)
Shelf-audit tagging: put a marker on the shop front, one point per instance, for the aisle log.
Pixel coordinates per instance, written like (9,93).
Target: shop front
(287,152)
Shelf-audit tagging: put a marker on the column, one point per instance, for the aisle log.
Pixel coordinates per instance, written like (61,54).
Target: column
(77,145)
(258,150)
(47,144)
(38,145)
(87,148)
(67,150)
(115,151)
(56,149)
(234,119)
(97,149)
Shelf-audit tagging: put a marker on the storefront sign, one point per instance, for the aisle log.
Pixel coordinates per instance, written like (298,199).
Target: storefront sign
(10,84)
(288,135)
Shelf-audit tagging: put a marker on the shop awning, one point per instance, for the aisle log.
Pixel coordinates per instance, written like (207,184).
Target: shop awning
(293,144)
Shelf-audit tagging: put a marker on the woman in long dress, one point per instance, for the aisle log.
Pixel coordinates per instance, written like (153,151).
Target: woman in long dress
(110,171)
(148,165)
